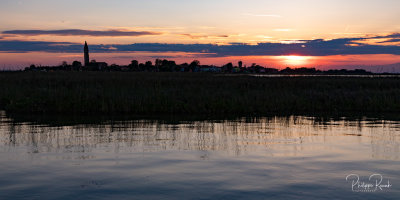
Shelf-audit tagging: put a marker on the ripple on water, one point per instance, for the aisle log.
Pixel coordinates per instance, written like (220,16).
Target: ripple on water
(277,157)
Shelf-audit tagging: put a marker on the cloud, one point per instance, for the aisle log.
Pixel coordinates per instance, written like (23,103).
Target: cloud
(80,32)
(318,47)
(199,36)
(391,40)
(264,36)
(393,35)
(262,15)
(27,46)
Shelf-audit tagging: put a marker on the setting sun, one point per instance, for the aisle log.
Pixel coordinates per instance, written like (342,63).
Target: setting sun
(295,60)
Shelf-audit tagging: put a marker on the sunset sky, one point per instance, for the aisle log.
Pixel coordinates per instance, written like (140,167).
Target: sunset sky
(319,33)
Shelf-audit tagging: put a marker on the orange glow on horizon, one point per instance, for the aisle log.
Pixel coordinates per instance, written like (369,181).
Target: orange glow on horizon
(21,60)
(295,60)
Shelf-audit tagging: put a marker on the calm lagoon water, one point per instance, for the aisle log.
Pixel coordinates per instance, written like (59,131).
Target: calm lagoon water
(293,157)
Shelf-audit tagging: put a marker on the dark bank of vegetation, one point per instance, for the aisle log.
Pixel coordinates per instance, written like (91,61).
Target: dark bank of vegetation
(193,93)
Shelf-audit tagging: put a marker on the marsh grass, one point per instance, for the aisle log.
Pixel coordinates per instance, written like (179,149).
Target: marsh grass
(192,93)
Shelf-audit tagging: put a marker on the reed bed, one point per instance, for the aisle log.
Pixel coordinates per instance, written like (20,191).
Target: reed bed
(192,93)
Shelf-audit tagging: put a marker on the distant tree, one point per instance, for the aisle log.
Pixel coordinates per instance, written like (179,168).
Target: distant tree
(64,64)
(134,65)
(76,64)
(184,67)
(195,64)
(271,70)
(252,68)
(148,65)
(287,70)
(168,65)
(164,63)
(114,67)
(158,62)
(362,71)
(141,66)
(229,67)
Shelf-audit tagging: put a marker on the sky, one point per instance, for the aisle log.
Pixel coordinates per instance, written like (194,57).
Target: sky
(295,33)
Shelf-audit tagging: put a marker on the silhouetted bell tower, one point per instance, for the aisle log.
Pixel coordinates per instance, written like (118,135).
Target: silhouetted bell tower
(86,50)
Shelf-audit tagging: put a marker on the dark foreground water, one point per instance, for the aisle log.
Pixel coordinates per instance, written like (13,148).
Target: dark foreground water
(261,158)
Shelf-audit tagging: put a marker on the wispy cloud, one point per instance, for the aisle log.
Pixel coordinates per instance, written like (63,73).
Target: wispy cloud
(393,35)
(202,36)
(80,32)
(262,15)
(138,28)
(264,36)
(391,40)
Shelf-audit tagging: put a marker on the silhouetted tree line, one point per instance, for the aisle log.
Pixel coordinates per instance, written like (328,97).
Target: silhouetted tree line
(195,66)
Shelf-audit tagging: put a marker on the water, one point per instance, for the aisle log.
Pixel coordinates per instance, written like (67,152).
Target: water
(292,157)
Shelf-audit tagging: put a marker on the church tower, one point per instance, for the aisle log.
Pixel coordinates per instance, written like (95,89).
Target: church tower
(86,50)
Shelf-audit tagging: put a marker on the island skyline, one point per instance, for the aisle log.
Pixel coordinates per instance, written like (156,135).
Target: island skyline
(165,65)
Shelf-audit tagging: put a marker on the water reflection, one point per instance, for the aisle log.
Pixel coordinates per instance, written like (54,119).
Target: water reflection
(233,137)
(283,157)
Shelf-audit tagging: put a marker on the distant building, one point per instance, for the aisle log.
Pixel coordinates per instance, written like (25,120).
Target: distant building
(98,65)
(92,65)
(86,52)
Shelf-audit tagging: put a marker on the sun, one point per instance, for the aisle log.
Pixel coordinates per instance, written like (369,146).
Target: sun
(295,60)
